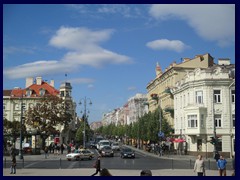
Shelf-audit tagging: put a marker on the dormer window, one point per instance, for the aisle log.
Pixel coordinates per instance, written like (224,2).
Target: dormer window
(42,92)
(28,92)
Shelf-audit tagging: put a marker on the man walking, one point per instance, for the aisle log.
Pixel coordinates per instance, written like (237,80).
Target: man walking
(222,166)
(97,165)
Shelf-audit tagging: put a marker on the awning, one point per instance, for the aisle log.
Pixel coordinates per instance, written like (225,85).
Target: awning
(179,140)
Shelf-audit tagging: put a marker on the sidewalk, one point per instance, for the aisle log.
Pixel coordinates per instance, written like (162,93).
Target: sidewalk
(114,172)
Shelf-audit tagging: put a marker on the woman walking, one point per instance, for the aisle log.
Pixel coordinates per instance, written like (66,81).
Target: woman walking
(199,166)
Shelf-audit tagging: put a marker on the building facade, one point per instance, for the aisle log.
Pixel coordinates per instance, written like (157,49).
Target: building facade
(204,104)
(164,81)
(17,100)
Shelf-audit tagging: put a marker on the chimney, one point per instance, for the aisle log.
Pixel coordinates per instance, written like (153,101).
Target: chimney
(223,61)
(39,80)
(52,83)
(29,81)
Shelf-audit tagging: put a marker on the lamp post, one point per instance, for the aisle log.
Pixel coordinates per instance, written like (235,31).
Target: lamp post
(85,116)
(21,121)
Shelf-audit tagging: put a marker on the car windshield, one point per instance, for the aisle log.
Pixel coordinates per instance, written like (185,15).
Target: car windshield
(127,150)
(106,147)
(115,144)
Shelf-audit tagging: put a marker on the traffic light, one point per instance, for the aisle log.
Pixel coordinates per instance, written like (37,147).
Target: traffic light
(213,141)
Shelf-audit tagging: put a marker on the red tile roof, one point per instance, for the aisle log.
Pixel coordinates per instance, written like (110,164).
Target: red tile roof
(36,90)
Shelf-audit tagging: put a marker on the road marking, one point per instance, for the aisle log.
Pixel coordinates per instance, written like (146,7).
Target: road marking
(31,164)
(72,165)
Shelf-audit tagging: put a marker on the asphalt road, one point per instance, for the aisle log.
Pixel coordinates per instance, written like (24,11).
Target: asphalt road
(141,161)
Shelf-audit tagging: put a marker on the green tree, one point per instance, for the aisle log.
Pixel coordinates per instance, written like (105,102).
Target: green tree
(47,114)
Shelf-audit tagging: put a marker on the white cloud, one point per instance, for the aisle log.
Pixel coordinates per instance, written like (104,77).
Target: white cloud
(165,44)
(213,22)
(84,49)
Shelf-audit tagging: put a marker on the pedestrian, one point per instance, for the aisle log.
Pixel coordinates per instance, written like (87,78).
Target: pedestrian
(97,165)
(46,152)
(62,148)
(13,166)
(199,166)
(222,166)
(233,165)
(146,172)
(105,172)
(217,156)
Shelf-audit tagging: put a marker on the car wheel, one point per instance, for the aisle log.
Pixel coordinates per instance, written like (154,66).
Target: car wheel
(77,158)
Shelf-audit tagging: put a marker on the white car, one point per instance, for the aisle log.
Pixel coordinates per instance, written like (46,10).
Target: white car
(102,143)
(80,154)
(115,146)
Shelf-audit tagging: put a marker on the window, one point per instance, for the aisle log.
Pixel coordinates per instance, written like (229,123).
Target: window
(233,96)
(42,92)
(202,121)
(24,106)
(199,97)
(4,106)
(192,121)
(217,96)
(62,94)
(29,92)
(233,120)
(218,121)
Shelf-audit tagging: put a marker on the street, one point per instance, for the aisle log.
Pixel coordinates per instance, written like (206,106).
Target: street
(141,161)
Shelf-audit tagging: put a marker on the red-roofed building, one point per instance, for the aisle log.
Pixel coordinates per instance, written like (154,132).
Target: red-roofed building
(30,95)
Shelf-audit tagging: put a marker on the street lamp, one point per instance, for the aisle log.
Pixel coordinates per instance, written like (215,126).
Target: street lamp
(21,122)
(85,116)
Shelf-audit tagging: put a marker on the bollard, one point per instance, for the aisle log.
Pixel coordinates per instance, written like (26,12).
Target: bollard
(209,164)
(172,163)
(60,163)
(5,163)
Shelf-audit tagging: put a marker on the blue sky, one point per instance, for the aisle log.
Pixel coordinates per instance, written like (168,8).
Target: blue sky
(109,52)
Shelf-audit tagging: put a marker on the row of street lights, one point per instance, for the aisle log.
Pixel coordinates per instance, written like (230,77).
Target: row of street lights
(85,117)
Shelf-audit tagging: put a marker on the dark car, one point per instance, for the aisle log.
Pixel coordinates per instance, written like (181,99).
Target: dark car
(106,151)
(127,153)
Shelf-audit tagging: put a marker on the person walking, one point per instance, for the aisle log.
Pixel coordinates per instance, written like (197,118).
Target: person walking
(199,166)
(222,166)
(46,152)
(13,166)
(233,165)
(97,165)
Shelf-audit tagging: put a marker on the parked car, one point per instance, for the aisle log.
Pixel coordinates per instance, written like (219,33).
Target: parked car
(127,153)
(106,151)
(80,154)
(115,146)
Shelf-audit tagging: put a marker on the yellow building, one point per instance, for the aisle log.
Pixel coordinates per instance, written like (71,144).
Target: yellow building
(161,86)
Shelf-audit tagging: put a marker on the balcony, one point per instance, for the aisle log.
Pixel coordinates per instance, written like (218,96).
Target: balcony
(169,109)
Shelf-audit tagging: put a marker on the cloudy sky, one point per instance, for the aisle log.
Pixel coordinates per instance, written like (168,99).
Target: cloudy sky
(109,52)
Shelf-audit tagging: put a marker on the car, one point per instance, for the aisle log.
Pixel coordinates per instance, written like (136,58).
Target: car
(80,154)
(127,153)
(106,151)
(115,146)
(103,143)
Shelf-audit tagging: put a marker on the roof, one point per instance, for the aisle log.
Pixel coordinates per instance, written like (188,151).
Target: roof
(49,90)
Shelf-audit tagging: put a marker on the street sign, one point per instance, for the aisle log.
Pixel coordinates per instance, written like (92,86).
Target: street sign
(160,134)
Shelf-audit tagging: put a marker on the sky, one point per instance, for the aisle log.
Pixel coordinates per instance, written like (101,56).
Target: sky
(108,52)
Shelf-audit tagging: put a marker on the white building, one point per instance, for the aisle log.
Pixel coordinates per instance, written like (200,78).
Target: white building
(202,98)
